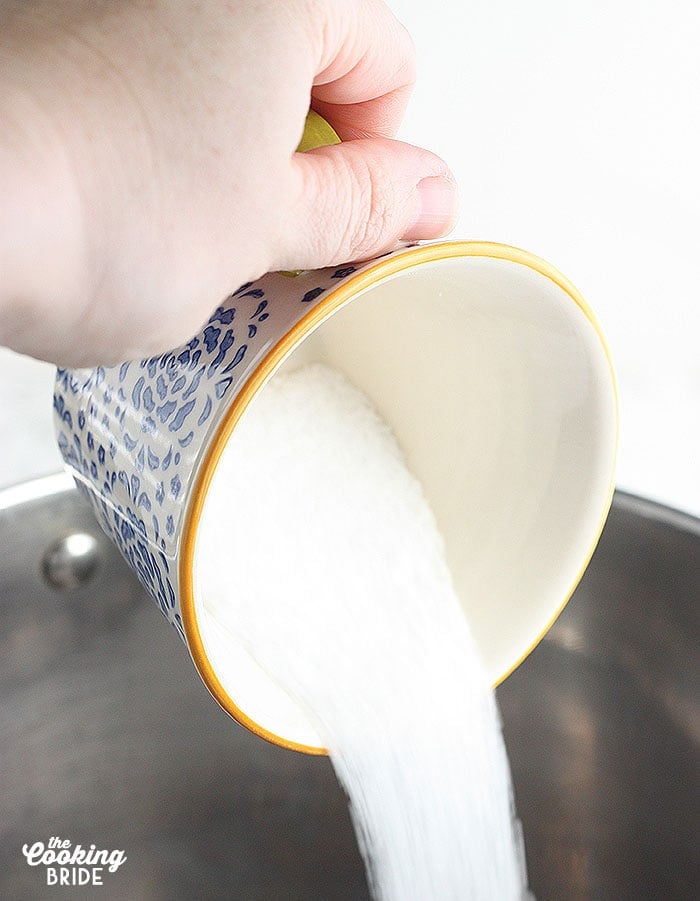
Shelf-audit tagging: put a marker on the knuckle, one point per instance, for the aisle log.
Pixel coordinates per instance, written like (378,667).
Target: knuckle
(371,216)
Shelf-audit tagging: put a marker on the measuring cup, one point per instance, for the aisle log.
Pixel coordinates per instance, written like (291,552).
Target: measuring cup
(486,362)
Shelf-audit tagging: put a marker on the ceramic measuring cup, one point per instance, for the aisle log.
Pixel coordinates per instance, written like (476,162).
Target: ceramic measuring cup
(486,362)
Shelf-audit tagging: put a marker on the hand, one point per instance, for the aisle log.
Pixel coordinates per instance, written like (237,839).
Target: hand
(148,165)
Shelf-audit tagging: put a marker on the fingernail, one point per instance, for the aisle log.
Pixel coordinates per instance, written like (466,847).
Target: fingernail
(437,203)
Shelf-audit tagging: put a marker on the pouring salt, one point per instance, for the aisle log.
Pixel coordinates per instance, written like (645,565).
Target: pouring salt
(319,558)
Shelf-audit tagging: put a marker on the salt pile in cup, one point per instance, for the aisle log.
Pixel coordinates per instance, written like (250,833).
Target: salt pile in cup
(319,556)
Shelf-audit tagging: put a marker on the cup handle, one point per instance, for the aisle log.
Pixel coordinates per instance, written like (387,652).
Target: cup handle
(317,133)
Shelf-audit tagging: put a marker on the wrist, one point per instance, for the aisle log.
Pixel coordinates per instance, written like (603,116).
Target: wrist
(41,230)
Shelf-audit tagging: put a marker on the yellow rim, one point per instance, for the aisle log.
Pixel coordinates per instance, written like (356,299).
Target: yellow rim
(347,291)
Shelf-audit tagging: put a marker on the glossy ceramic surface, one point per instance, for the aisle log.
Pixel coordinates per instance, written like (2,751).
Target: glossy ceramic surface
(484,360)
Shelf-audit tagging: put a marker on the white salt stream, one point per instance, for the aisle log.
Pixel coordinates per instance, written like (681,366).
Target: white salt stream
(319,554)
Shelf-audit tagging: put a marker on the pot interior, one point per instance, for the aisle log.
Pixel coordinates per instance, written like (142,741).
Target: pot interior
(108,737)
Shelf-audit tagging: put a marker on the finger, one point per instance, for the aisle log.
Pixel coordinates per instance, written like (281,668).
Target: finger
(377,118)
(365,71)
(358,199)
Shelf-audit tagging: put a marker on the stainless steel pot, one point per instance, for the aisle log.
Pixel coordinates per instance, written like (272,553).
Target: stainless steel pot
(108,737)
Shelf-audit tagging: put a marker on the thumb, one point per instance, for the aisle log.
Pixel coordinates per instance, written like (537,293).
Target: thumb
(360,198)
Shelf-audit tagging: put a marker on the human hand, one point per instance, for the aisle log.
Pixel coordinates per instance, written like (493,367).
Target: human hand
(147,163)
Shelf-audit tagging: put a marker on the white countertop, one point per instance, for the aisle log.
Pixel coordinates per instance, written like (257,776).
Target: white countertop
(573,131)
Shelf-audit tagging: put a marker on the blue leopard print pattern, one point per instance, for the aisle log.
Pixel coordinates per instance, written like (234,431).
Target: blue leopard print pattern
(133,435)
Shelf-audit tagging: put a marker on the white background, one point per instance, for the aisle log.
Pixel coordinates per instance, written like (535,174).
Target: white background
(573,130)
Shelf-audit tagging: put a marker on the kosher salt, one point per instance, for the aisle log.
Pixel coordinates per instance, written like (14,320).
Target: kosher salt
(320,556)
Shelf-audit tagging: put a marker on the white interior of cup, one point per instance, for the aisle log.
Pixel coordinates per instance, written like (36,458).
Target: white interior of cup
(500,391)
